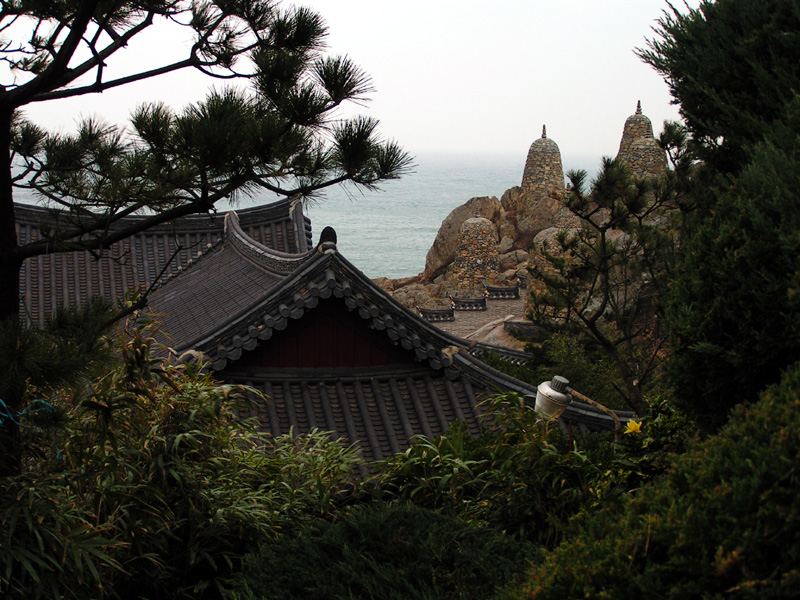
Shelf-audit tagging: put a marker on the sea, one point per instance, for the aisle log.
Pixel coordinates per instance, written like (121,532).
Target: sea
(388,232)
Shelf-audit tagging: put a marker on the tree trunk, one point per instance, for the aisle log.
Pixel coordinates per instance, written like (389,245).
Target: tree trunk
(10,264)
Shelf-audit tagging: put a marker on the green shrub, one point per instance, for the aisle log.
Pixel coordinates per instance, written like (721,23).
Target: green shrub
(734,298)
(519,476)
(723,523)
(156,487)
(387,552)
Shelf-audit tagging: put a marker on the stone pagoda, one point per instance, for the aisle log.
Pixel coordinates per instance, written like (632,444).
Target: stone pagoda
(639,149)
(543,175)
(476,260)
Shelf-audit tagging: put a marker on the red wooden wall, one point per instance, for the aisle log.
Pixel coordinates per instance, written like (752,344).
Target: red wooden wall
(328,336)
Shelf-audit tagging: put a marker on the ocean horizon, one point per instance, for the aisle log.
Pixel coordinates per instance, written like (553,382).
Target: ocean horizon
(388,232)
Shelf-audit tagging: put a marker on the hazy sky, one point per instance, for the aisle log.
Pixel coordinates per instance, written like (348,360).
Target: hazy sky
(464,76)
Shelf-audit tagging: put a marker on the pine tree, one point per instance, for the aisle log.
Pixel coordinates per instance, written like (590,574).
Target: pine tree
(605,277)
(733,66)
(277,133)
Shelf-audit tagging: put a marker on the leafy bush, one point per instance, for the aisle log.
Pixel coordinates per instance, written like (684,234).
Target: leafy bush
(723,523)
(734,299)
(386,551)
(156,487)
(522,476)
(518,476)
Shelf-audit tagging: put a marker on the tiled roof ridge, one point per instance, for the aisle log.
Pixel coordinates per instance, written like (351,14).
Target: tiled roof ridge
(325,274)
(275,261)
(201,222)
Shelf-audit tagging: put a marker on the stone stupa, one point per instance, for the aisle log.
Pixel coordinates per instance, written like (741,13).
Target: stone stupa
(639,149)
(543,174)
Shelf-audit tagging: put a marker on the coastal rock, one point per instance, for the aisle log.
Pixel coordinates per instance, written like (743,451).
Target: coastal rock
(511,260)
(386,284)
(414,295)
(528,213)
(506,228)
(494,333)
(443,250)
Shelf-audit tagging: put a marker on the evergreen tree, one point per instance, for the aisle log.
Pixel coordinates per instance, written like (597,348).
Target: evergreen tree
(277,134)
(732,66)
(604,278)
(735,297)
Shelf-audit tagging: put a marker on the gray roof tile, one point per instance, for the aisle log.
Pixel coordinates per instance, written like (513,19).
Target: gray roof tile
(49,281)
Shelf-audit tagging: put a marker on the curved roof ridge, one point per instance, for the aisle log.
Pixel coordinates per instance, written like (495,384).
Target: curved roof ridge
(269,259)
(33,212)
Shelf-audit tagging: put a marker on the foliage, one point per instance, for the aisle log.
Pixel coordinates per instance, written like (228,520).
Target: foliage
(68,347)
(734,298)
(388,551)
(279,132)
(526,478)
(518,476)
(607,276)
(644,453)
(732,66)
(722,523)
(156,487)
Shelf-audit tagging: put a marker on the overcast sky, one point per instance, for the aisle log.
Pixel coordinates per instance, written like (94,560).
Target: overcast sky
(465,76)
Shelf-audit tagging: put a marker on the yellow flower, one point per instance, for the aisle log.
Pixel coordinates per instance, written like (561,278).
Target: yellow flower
(633,427)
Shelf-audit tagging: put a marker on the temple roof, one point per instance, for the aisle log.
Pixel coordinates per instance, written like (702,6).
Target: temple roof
(428,380)
(49,281)
(329,348)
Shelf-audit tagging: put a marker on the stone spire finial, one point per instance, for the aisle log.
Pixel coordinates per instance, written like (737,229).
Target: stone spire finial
(638,148)
(543,173)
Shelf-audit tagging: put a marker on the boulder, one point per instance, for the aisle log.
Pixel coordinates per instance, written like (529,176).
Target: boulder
(494,333)
(386,284)
(510,260)
(530,214)
(505,245)
(415,295)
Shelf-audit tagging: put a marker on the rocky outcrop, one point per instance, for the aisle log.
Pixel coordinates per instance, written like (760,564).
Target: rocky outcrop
(527,214)
(513,229)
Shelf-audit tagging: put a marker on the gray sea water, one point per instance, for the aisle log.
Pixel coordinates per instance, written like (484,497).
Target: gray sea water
(388,233)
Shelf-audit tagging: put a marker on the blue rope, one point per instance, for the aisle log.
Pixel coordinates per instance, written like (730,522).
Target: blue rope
(32,408)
